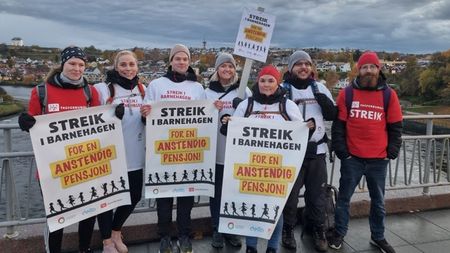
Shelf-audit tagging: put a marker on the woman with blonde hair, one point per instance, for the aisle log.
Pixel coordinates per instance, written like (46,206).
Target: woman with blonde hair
(122,87)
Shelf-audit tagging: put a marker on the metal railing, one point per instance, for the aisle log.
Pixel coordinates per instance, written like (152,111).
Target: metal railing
(423,162)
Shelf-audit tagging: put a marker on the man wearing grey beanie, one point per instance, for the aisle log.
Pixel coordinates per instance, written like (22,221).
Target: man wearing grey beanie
(316,104)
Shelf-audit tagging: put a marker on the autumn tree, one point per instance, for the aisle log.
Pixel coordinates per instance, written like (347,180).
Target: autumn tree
(332,78)
(139,53)
(429,83)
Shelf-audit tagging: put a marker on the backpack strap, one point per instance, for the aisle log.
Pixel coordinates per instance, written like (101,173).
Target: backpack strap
(141,89)
(112,92)
(314,87)
(226,93)
(386,98)
(41,91)
(349,98)
(87,94)
(288,88)
(249,109)
(282,109)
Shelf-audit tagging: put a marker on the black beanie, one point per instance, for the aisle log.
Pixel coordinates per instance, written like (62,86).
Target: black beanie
(72,51)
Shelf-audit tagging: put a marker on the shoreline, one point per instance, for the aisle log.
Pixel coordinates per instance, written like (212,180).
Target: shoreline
(12,113)
(18,84)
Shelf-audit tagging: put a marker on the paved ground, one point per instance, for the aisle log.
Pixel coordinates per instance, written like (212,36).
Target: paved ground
(409,233)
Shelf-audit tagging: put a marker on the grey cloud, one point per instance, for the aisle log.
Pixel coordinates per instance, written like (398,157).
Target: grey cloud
(402,25)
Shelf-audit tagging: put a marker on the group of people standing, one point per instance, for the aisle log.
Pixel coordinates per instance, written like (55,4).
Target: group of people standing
(364,144)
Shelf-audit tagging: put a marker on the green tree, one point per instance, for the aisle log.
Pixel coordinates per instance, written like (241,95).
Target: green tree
(429,83)
(410,78)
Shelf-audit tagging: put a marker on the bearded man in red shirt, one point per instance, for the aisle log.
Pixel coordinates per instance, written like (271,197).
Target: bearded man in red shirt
(365,136)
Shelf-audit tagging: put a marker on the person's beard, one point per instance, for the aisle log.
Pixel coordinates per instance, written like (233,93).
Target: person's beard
(369,80)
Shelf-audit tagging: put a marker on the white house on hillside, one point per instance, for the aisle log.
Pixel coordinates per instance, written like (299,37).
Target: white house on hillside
(16,41)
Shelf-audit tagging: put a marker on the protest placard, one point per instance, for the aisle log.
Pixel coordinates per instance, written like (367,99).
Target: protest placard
(181,149)
(81,163)
(262,161)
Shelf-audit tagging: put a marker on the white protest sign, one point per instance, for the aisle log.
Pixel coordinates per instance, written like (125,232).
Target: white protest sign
(181,149)
(262,161)
(254,35)
(81,163)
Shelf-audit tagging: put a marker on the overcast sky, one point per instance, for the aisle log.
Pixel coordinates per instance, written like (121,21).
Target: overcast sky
(408,26)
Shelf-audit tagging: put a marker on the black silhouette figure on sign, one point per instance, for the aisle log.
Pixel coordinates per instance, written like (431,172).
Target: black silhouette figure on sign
(166,176)
(225,208)
(158,180)
(233,207)
(81,197)
(276,209)
(203,175)
(265,211)
(253,209)
(113,186)
(150,180)
(244,209)
(71,200)
(93,193)
(195,172)
(122,182)
(174,176)
(185,176)
(210,174)
(52,208)
(61,205)
(105,189)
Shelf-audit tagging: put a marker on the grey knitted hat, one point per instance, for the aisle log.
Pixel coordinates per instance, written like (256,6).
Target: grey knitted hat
(179,48)
(224,57)
(297,56)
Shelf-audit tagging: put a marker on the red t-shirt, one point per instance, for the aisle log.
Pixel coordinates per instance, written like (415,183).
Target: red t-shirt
(366,132)
(60,100)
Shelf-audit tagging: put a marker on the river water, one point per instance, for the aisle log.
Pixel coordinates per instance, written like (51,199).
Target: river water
(21,166)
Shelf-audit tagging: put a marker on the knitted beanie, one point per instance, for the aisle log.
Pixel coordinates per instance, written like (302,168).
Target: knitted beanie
(224,57)
(179,48)
(270,70)
(72,51)
(298,56)
(368,58)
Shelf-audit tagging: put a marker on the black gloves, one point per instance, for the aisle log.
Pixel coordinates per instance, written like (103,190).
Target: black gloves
(26,121)
(236,102)
(329,110)
(120,109)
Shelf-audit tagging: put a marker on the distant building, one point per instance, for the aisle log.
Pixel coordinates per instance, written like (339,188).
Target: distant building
(93,75)
(16,41)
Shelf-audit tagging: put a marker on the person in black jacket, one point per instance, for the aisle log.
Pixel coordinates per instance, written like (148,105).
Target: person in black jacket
(366,134)
(316,103)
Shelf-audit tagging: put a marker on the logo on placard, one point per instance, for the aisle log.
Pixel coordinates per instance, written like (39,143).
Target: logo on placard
(256,229)
(155,191)
(88,210)
(230,225)
(103,205)
(61,220)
